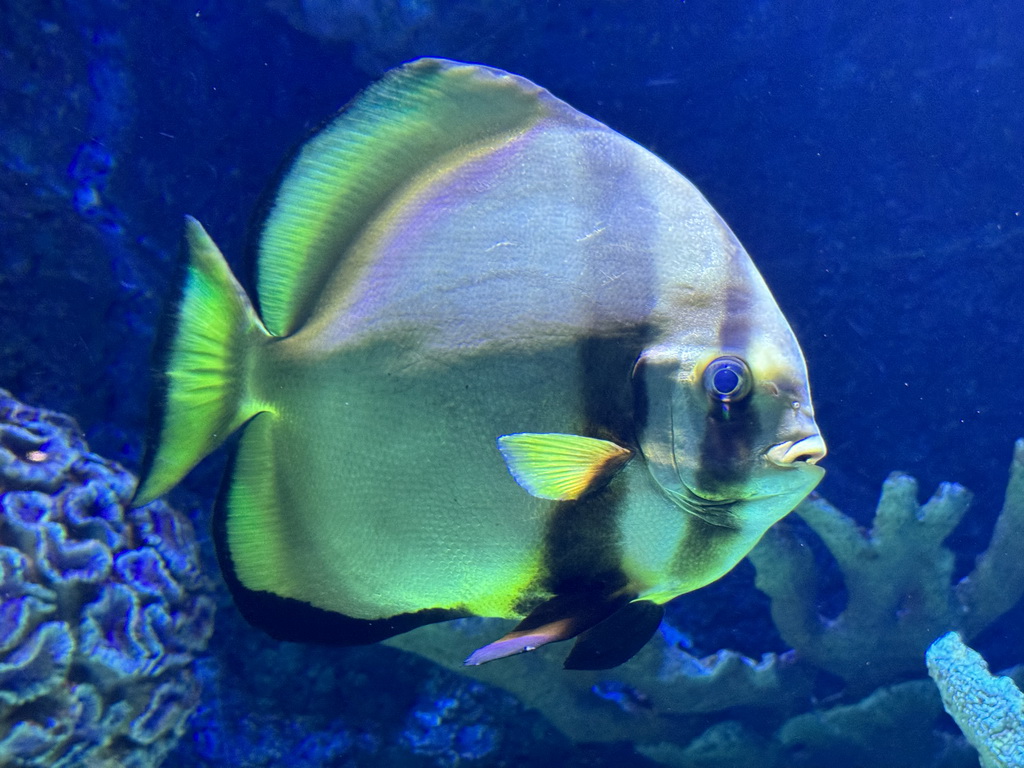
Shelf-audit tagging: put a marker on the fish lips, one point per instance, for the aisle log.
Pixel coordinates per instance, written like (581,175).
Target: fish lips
(810,449)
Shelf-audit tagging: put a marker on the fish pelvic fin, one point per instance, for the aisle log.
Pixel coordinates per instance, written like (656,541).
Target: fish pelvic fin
(560,467)
(560,618)
(616,639)
(205,397)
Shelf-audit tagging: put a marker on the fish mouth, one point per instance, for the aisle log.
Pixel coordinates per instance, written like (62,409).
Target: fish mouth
(809,450)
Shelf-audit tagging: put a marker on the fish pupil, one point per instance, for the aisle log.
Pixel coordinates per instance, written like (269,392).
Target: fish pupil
(727,381)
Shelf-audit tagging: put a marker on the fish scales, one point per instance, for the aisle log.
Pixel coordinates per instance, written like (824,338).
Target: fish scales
(507,363)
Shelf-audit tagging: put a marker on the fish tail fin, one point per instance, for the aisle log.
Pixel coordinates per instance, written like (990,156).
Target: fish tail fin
(206,395)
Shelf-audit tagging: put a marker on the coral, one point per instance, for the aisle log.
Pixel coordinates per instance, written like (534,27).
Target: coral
(295,712)
(900,597)
(898,577)
(103,607)
(451,724)
(729,743)
(653,689)
(849,736)
(651,696)
(988,709)
(865,732)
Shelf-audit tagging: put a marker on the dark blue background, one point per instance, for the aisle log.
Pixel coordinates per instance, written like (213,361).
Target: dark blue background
(868,155)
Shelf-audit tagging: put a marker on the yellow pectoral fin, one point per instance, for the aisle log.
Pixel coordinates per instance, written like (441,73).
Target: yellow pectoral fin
(560,467)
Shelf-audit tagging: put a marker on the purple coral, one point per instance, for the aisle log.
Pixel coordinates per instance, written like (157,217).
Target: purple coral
(102,607)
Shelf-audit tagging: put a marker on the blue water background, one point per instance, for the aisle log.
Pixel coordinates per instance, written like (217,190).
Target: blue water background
(868,156)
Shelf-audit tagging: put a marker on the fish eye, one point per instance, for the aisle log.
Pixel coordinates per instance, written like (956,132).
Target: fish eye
(727,379)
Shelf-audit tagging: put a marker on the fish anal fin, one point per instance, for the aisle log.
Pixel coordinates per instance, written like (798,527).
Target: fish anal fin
(616,639)
(250,535)
(559,466)
(560,618)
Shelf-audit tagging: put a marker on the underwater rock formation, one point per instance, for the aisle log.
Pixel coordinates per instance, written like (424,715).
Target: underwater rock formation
(988,709)
(102,608)
(900,598)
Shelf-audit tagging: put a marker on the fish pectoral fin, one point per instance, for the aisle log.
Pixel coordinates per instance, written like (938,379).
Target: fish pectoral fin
(560,618)
(617,639)
(560,467)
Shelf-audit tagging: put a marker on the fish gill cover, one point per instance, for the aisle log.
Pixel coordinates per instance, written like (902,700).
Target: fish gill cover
(867,156)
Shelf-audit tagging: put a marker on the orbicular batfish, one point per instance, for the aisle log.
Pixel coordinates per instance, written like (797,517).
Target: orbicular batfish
(505,362)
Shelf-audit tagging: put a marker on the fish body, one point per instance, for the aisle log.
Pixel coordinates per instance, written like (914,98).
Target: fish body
(506,363)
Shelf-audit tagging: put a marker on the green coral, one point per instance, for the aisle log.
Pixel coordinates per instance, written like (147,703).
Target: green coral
(899,579)
(664,682)
(988,709)
(901,595)
(848,736)
(729,743)
(865,732)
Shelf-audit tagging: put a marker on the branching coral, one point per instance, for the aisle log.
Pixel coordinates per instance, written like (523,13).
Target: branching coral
(850,736)
(988,709)
(900,597)
(102,607)
(653,689)
(898,577)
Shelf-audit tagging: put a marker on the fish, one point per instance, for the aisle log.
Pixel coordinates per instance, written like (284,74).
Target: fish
(502,362)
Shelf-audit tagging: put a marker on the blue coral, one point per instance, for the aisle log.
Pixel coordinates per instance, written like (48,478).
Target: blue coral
(988,708)
(103,608)
(451,723)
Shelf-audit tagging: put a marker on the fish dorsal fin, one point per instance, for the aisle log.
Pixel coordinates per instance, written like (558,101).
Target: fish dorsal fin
(428,112)
(561,467)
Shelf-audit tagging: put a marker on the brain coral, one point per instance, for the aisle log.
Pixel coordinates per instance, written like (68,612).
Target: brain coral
(102,607)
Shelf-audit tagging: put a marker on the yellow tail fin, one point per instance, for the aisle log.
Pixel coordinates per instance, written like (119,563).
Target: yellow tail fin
(216,335)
